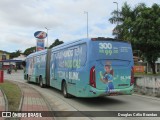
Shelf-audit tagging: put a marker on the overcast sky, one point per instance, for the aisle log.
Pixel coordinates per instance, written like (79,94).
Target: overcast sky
(20,19)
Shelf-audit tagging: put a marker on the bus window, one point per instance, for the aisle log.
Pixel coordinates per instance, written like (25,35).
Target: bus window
(112,50)
(79,58)
(68,58)
(82,54)
(76,60)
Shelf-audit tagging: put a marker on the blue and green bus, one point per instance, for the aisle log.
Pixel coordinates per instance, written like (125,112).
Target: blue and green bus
(89,67)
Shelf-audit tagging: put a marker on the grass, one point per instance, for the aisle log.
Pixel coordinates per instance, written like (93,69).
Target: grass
(13,94)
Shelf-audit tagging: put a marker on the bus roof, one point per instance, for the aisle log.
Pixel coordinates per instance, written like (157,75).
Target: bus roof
(80,41)
(72,43)
(37,53)
(108,39)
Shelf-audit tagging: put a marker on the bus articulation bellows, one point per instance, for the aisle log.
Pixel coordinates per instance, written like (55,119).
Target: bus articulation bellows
(89,67)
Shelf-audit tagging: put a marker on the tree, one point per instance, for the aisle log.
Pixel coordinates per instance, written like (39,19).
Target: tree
(15,54)
(140,26)
(29,50)
(33,49)
(146,33)
(18,52)
(126,15)
(55,43)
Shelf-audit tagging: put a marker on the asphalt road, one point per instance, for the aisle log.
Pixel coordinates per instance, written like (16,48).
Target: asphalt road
(112,103)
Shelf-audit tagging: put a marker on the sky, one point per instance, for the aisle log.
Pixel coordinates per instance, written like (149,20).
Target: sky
(65,19)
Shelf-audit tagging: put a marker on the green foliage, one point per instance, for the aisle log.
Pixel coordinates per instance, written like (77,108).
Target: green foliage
(140,26)
(15,54)
(33,49)
(29,50)
(55,43)
(13,94)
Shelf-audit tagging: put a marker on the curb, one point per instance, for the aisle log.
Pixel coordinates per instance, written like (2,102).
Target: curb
(148,97)
(47,103)
(5,99)
(56,104)
(22,98)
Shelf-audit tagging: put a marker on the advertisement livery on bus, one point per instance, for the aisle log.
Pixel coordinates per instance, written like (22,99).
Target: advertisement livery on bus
(84,68)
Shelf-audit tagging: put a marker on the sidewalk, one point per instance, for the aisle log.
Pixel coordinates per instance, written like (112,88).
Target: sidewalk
(33,101)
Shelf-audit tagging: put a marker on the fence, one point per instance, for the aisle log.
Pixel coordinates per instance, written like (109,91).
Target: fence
(148,85)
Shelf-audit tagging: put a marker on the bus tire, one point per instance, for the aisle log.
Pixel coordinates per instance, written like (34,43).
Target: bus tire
(64,90)
(28,79)
(41,82)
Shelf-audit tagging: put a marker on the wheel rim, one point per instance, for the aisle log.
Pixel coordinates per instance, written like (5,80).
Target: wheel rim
(64,90)
(41,83)
(27,79)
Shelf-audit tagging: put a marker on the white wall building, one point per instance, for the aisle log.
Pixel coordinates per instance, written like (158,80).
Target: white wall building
(21,57)
(157,66)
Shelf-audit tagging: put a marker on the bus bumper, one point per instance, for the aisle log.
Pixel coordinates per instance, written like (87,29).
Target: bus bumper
(93,92)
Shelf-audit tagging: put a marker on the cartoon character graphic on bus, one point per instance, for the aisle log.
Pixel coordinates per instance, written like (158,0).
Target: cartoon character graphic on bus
(107,77)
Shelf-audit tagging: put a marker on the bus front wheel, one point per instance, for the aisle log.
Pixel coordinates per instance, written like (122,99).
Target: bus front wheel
(28,79)
(41,82)
(64,90)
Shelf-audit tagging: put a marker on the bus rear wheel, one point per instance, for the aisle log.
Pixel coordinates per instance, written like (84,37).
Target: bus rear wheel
(64,90)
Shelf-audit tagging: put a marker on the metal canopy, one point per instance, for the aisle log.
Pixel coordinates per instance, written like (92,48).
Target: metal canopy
(11,61)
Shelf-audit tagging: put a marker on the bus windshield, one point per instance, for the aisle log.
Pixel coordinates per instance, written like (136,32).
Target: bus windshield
(113,50)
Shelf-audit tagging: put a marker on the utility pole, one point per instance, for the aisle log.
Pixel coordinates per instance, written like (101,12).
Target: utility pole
(117,18)
(47,36)
(85,12)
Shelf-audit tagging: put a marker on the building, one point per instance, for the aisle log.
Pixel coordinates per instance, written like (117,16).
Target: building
(157,66)
(13,63)
(4,55)
(139,64)
(20,58)
(6,63)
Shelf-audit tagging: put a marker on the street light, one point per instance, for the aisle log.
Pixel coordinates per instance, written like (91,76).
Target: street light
(47,36)
(117,15)
(117,11)
(85,12)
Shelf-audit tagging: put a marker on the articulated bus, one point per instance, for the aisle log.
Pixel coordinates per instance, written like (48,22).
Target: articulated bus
(91,67)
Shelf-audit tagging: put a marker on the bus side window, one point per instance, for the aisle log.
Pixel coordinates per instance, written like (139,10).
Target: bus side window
(80,56)
(55,60)
(83,54)
(67,58)
(43,59)
(75,61)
